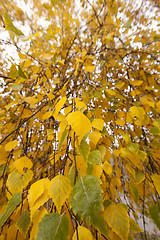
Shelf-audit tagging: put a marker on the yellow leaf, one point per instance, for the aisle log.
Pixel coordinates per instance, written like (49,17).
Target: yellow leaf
(145,101)
(22,164)
(109,36)
(61,61)
(37,34)
(50,96)
(156,181)
(111,92)
(126,138)
(117,219)
(81,165)
(107,168)
(17,182)
(137,111)
(3,155)
(39,214)
(89,68)
(58,106)
(98,124)
(158,104)
(97,170)
(80,123)
(48,73)
(130,169)
(136,82)
(26,113)
(43,198)
(102,150)
(47,115)
(119,84)
(10,145)
(35,191)
(8,106)
(80,105)
(95,136)
(83,233)
(78,60)
(59,190)
(120,122)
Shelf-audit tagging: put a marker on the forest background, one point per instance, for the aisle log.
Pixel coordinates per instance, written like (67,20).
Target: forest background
(80,127)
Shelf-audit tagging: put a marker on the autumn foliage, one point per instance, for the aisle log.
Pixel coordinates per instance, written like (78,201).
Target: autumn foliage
(79,111)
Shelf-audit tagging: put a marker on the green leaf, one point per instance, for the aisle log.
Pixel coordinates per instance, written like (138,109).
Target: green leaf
(154,212)
(156,38)
(86,201)
(127,24)
(117,219)
(90,169)
(95,157)
(84,149)
(134,191)
(3,170)
(53,226)
(86,197)
(24,221)
(12,204)
(139,176)
(21,73)
(133,147)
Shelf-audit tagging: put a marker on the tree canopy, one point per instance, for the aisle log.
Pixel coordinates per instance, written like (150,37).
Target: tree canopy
(79,111)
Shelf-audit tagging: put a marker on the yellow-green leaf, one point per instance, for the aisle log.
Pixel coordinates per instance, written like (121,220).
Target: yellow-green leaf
(95,157)
(84,149)
(59,190)
(119,84)
(134,226)
(31,100)
(10,27)
(117,219)
(79,123)
(17,182)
